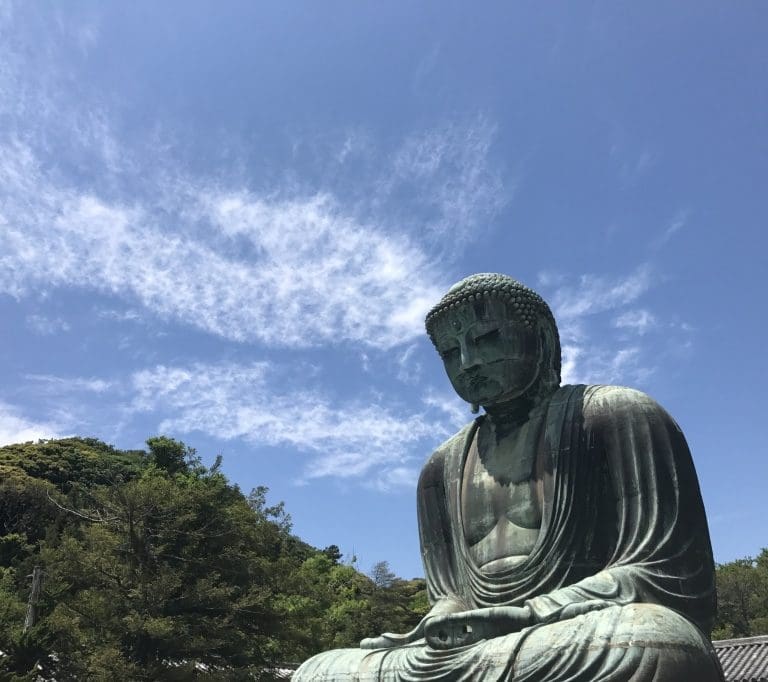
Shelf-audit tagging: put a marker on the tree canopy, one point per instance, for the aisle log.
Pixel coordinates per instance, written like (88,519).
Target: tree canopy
(157,567)
(742,597)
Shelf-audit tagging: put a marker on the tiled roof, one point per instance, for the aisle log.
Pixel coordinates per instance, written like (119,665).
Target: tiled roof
(744,660)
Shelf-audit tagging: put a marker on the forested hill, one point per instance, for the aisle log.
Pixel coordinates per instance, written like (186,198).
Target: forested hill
(155,567)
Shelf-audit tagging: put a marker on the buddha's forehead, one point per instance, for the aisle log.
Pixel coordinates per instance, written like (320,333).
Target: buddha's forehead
(468,314)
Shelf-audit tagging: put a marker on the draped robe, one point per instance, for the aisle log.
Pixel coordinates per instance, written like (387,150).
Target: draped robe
(620,581)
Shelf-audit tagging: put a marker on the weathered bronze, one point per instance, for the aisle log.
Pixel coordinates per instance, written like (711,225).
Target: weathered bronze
(562,532)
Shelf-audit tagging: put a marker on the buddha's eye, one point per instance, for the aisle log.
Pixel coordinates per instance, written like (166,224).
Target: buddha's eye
(449,353)
(490,335)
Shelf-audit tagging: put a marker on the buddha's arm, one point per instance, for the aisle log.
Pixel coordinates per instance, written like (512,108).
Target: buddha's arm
(661,552)
(437,553)
(435,526)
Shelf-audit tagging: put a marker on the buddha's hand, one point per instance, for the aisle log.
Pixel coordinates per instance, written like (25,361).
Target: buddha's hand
(468,627)
(389,639)
(580,608)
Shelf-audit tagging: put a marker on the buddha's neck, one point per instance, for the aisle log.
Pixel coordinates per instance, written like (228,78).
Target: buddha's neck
(510,414)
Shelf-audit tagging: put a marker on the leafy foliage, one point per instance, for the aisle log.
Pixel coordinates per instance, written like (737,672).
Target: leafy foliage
(742,594)
(156,567)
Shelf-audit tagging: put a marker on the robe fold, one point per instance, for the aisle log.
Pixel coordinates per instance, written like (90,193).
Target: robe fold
(623,533)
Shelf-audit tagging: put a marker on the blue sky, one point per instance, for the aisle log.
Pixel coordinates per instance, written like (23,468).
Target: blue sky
(225,221)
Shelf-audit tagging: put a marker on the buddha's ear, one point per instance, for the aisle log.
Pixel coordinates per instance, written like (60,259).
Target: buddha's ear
(544,349)
(547,348)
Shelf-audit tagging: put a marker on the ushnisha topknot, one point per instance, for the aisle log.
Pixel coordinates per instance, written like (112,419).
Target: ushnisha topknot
(527,306)
(525,302)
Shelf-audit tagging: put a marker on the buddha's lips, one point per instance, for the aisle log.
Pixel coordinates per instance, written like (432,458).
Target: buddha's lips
(475,380)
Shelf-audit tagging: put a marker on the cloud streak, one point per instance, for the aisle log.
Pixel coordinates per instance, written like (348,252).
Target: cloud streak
(678,222)
(592,353)
(637,321)
(46,326)
(347,440)
(464,191)
(313,274)
(285,269)
(294,267)
(56,385)
(594,294)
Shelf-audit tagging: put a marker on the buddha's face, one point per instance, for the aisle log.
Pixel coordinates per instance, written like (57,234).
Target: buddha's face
(489,356)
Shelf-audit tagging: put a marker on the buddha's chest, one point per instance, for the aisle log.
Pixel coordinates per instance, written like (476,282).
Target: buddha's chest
(485,503)
(501,498)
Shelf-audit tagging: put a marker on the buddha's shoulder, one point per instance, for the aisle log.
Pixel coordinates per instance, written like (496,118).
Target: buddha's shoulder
(451,447)
(603,402)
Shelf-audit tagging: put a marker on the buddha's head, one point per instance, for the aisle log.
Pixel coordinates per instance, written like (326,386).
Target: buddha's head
(497,339)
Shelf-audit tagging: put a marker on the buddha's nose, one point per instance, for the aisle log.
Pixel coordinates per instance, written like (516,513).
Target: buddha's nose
(469,357)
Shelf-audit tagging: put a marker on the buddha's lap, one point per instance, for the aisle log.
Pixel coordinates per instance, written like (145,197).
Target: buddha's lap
(641,642)
(645,638)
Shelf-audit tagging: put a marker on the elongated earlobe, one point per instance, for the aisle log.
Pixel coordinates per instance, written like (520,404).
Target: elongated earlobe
(475,408)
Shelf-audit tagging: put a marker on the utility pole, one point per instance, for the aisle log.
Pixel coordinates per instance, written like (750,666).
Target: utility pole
(34,595)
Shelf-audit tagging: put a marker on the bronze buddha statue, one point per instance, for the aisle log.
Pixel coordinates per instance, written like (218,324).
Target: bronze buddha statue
(562,532)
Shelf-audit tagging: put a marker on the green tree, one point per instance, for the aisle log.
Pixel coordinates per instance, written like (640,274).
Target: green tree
(170,455)
(168,568)
(155,564)
(742,593)
(147,574)
(381,575)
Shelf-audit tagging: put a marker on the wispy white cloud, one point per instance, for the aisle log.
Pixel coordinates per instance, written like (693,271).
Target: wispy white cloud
(591,354)
(678,222)
(634,161)
(297,264)
(313,275)
(634,168)
(550,278)
(396,477)
(352,439)
(70,404)
(456,411)
(297,270)
(638,321)
(129,315)
(441,182)
(323,276)
(356,143)
(85,33)
(454,181)
(570,368)
(57,385)
(408,367)
(605,365)
(46,326)
(16,428)
(593,294)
